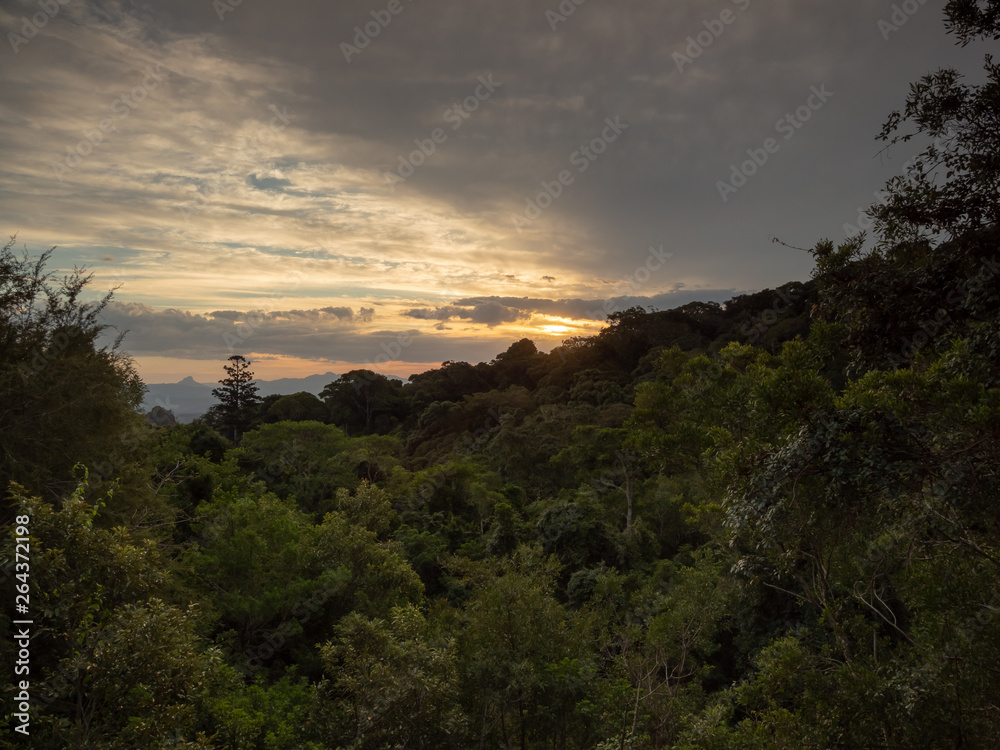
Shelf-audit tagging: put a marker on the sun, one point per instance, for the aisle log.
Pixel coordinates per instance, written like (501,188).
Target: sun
(554,327)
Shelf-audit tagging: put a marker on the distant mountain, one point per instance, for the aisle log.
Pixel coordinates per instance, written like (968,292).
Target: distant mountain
(188,399)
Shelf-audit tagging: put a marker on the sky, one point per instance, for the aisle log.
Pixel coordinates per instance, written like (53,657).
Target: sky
(322,186)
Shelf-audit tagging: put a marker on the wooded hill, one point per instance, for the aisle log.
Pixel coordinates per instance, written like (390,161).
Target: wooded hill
(769,524)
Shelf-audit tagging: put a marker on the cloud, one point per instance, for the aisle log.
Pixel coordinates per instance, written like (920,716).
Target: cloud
(299,333)
(268,183)
(315,335)
(215,166)
(495,310)
(489,312)
(340,312)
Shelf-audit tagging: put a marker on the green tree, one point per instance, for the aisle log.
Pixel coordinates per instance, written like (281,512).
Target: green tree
(63,398)
(932,277)
(113,664)
(258,715)
(255,565)
(362,402)
(237,398)
(514,637)
(299,407)
(393,683)
(659,636)
(601,457)
(307,461)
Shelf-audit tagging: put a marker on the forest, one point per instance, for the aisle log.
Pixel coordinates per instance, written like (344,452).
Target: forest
(769,523)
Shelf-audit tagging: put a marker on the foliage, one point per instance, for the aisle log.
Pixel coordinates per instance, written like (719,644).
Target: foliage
(112,664)
(237,398)
(299,407)
(303,461)
(362,402)
(394,683)
(765,524)
(65,399)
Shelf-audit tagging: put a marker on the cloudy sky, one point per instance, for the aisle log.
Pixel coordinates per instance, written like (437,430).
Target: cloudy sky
(392,184)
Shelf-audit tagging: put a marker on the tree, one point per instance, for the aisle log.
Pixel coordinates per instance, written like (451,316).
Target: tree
(953,187)
(932,277)
(299,407)
(362,402)
(600,454)
(63,398)
(113,665)
(305,460)
(514,637)
(237,397)
(969,20)
(394,683)
(519,365)
(255,562)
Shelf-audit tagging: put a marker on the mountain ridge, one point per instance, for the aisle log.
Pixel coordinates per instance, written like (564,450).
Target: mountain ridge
(188,398)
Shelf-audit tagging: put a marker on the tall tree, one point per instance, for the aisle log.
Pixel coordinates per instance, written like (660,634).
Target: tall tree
(952,187)
(64,398)
(237,397)
(932,277)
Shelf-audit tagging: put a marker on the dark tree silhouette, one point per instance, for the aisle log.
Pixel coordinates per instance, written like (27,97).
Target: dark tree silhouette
(362,402)
(64,398)
(237,397)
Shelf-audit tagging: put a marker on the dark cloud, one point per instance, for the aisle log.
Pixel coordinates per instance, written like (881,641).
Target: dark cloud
(268,183)
(218,314)
(495,310)
(340,312)
(184,335)
(493,313)
(488,312)
(441,313)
